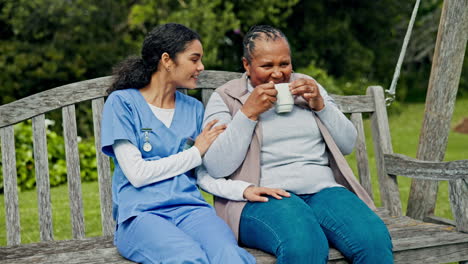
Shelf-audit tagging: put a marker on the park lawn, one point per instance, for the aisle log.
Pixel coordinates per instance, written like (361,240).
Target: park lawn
(60,213)
(404,127)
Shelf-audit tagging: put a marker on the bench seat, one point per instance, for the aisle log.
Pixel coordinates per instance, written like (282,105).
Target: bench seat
(413,241)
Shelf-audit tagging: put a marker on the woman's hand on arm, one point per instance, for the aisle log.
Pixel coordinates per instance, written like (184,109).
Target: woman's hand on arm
(262,98)
(234,189)
(309,90)
(207,136)
(256,194)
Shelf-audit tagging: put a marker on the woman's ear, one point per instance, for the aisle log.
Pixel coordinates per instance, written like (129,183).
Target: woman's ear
(246,64)
(166,61)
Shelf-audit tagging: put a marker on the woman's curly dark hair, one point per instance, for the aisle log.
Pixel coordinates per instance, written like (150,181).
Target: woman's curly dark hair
(136,72)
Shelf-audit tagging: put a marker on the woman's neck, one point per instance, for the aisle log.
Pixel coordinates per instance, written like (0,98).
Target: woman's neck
(159,92)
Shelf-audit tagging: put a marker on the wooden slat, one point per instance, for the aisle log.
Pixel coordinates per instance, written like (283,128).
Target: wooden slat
(104,171)
(361,154)
(56,247)
(398,221)
(73,93)
(389,192)
(431,240)
(52,99)
(262,257)
(10,184)
(90,256)
(423,229)
(41,164)
(93,250)
(354,103)
(440,254)
(398,164)
(382,212)
(214,79)
(206,94)
(73,171)
(458,194)
(439,220)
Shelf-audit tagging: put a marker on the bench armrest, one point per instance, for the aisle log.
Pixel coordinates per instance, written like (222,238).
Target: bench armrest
(398,164)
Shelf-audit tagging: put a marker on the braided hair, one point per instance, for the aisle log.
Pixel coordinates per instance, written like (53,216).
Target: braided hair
(136,72)
(259,32)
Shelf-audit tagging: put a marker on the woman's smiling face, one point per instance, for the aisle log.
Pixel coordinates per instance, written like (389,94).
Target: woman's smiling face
(188,66)
(270,61)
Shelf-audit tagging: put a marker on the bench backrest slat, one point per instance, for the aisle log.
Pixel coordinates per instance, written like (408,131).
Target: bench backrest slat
(206,94)
(10,188)
(355,103)
(103,168)
(41,164)
(389,191)
(52,99)
(361,154)
(73,171)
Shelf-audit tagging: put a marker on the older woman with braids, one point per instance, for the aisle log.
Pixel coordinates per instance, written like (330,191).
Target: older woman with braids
(276,177)
(155,136)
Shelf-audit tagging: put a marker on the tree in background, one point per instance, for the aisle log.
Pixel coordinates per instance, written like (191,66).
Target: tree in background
(220,23)
(358,42)
(47,43)
(350,44)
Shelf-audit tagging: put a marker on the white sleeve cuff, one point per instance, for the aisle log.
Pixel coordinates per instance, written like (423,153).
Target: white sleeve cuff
(221,187)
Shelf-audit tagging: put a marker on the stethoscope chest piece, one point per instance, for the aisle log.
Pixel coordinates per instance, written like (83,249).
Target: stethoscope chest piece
(147,147)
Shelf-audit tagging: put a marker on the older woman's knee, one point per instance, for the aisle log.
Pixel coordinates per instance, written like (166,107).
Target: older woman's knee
(375,246)
(308,248)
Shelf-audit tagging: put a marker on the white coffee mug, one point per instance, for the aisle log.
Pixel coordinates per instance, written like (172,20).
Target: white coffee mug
(284,99)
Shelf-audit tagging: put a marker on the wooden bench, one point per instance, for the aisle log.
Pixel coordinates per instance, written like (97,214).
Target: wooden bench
(414,241)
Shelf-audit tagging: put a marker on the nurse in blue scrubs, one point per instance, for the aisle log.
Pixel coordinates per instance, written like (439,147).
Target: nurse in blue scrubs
(154,134)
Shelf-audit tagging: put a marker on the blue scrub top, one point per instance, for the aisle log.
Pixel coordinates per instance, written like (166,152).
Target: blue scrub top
(127,115)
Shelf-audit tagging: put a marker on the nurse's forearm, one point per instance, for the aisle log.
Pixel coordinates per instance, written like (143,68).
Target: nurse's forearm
(140,172)
(221,187)
(228,151)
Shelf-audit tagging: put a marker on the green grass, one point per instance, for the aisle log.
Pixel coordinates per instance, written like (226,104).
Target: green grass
(60,214)
(405,129)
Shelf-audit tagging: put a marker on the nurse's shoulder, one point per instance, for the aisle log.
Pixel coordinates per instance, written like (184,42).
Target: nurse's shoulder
(124,96)
(191,101)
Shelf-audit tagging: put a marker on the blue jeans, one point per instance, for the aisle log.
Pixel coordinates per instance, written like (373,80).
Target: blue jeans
(299,229)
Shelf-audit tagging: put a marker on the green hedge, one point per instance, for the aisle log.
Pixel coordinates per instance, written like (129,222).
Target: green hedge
(56,154)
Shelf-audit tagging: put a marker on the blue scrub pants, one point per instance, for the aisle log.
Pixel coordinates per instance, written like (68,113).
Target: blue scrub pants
(182,235)
(300,228)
